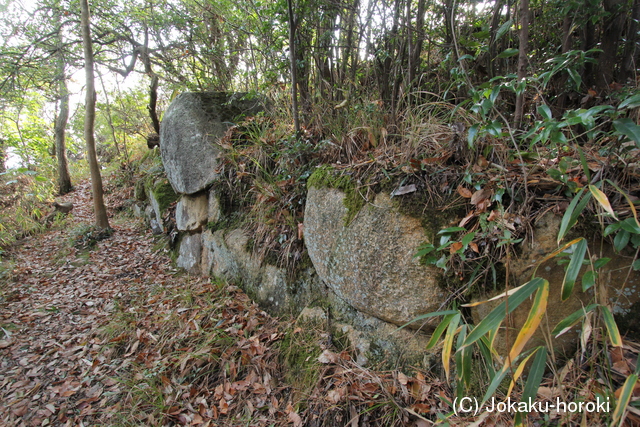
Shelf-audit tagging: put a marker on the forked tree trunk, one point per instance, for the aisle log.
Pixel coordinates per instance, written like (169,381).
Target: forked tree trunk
(102,221)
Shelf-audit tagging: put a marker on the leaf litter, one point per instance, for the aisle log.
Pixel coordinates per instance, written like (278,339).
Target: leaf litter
(114,335)
(111,334)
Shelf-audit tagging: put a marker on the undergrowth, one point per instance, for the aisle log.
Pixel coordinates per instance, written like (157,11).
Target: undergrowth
(479,186)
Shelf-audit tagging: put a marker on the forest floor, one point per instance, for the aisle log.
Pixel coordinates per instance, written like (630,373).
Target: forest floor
(60,296)
(109,333)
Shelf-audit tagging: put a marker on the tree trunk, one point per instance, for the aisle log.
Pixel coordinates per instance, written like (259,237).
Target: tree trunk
(613,25)
(153,102)
(630,50)
(3,156)
(522,59)
(100,210)
(64,178)
(417,46)
(493,42)
(292,60)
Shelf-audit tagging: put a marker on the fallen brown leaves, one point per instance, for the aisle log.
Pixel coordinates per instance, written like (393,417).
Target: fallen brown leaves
(112,335)
(56,299)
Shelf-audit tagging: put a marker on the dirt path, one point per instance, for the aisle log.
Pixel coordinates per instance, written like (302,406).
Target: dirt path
(56,299)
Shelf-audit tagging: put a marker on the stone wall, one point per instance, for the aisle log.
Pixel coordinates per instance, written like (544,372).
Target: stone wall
(363,274)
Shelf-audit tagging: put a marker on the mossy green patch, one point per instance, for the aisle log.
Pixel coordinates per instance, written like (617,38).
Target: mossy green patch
(164,194)
(327,177)
(139,191)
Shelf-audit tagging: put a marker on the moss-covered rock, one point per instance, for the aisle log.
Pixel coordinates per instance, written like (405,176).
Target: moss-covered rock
(161,196)
(163,193)
(327,177)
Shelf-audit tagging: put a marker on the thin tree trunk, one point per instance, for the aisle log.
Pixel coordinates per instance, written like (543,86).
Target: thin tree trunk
(630,50)
(417,46)
(495,25)
(409,37)
(153,102)
(100,210)
(64,178)
(153,86)
(3,156)
(522,59)
(292,60)
(109,116)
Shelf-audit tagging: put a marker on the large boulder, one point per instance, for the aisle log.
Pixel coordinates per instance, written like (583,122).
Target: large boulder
(190,127)
(617,286)
(369,263)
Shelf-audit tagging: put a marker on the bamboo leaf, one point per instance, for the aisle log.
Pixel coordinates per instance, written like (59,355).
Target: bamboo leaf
(575,77)
(574,210)
(518,372)
(629,201)
(571,320)
(536,313)
(628,128)
(573,269)
(463,363)
(437,333)
(503,29)
(631,102)
(493,386)
(486,355)
(617,418)
(585,165)
(447,344)
(612,328)
(471,135)
(533,380)
(497,315)
(451,230)
(502,295)
(508,53)
(602,199)
(588,280)
(427,316)
(555,253)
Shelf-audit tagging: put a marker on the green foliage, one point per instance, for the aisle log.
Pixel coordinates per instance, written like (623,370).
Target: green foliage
(483,334)
(24,201)
(24,129)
